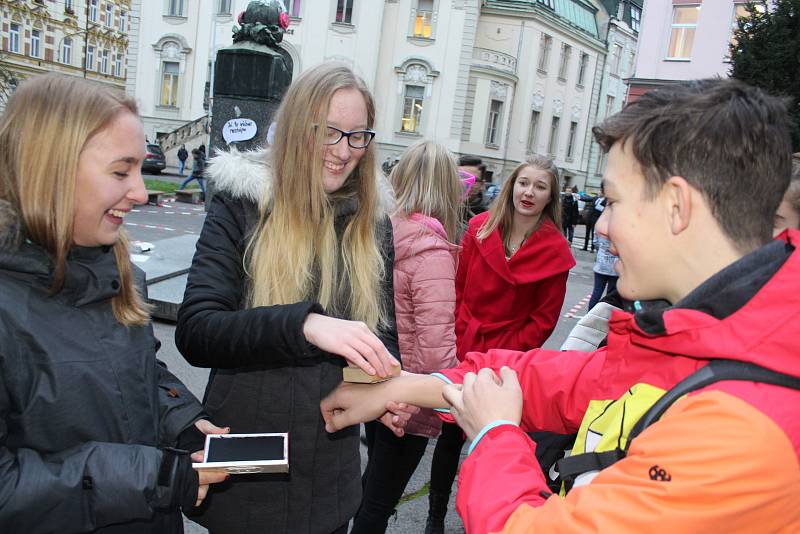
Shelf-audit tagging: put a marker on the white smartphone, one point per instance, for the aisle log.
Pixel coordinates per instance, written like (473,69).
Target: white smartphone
(246,453)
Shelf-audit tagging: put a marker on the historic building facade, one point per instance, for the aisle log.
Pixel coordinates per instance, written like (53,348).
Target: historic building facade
(498,79)
(86,38)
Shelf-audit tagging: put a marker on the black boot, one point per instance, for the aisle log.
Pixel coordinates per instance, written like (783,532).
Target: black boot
(437,510)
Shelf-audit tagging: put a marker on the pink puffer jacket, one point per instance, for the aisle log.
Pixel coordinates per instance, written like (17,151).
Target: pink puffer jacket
(424,299)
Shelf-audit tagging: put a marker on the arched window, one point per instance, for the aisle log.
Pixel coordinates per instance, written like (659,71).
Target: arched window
(416,80)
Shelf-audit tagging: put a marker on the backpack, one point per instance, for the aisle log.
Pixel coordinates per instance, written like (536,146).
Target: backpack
(569,468)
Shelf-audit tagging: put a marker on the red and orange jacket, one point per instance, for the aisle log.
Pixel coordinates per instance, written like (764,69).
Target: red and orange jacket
(722,459)
(510,304)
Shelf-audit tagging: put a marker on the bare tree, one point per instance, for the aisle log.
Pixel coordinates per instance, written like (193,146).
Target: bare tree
(8,81)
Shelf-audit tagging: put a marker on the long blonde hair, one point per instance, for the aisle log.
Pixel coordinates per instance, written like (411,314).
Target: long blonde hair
(294,252)
(426,181)
(502,211)
(47,123)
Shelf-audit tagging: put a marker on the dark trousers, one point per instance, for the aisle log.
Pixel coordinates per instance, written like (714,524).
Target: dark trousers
(589,239)
(445,458)
(569,231)
(391,463)
(603,283)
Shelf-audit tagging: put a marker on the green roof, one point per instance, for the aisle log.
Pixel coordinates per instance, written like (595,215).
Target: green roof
(573,12)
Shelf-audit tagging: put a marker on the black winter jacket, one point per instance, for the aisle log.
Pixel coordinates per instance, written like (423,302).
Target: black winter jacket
(267,377)
(85,407)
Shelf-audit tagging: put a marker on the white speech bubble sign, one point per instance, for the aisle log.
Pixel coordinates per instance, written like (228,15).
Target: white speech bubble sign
(239,130)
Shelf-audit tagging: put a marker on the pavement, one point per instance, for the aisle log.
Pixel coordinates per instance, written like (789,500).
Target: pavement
(153,224)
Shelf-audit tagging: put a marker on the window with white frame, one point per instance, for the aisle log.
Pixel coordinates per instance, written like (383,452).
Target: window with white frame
(493,124)
(224,7)
(532,130)
(636,18)
(294,8)
(13,37)
(66,51)
(549,3)
(566,52)
(69,6)
(616,58)
(684,26)
(545,44)
(413,102)
(169,83)
(93,10)
(123,20)
(552,145)
(573,131)
(90,57)
(104,61)
(609,105)
(601,161)
(175,8)
(118,65)
(109,14)
(344,11)
(582,68)
(36,43)
(422,18)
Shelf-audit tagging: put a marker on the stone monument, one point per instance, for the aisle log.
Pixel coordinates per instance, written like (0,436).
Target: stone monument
(250,78)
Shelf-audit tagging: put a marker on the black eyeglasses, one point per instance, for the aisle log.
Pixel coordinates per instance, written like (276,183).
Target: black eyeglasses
(356,139)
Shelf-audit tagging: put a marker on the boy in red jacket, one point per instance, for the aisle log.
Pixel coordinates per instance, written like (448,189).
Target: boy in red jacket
(696,255)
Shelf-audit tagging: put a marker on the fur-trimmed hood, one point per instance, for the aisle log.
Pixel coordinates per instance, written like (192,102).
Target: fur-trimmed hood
(249,175)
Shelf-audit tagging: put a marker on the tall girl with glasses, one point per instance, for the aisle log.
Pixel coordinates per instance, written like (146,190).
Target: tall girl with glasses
(292,280)
(426,225)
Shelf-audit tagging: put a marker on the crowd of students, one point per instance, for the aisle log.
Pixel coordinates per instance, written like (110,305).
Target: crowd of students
(310,259)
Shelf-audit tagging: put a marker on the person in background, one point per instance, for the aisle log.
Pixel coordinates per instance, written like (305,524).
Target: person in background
(95,432)
(198,170)
(183,155)
(510,286)
(598,205)
(569,214)
(426,225)
(605,277)
(291,281)
(475,203)
(788,214)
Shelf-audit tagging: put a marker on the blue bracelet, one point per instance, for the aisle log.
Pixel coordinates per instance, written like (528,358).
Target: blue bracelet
(440,376)
(487,428)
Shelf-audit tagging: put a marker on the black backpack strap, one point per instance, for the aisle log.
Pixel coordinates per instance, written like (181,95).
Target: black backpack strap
(715,371)
(571,467)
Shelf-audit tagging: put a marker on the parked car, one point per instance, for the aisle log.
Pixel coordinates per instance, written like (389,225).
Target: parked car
(154,160)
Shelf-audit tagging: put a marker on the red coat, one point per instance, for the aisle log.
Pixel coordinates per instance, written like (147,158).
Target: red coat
(509,304)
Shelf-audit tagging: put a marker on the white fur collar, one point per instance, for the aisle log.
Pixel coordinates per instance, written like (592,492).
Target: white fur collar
(249,175)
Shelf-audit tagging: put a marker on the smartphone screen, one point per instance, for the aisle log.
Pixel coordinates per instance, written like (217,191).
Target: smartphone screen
(245,449)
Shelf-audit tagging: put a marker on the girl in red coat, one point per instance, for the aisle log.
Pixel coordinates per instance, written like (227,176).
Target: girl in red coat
(510,286)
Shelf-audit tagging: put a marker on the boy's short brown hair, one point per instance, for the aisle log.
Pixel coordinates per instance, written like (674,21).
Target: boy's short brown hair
(728,140)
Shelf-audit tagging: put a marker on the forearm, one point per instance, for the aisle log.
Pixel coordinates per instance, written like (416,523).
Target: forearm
(420,390)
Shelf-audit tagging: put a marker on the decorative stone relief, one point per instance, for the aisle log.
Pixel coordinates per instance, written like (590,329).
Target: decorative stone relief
(558,107)
(498,91)
(416,73)
(576,113)
(170,50)
(538,101)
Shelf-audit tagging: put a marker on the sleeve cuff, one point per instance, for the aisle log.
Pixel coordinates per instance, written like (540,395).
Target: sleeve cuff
(487,428)
(440,376)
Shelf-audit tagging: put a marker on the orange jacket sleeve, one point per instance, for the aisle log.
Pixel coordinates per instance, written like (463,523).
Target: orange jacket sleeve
(714,463)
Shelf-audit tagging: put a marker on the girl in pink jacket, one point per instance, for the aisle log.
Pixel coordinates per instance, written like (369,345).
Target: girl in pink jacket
(426,222)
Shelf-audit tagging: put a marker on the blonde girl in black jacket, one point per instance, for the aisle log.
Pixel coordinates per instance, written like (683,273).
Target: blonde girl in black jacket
(90,421)
(292,279)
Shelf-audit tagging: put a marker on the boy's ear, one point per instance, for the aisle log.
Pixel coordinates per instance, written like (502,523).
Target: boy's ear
(679,198)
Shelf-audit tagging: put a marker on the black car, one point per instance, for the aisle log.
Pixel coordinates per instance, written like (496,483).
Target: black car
(154,160)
